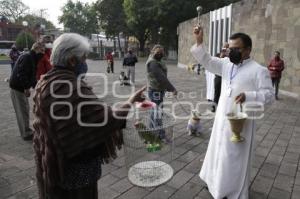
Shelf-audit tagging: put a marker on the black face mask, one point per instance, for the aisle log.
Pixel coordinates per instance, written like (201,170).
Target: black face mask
(158,56)
(235,56)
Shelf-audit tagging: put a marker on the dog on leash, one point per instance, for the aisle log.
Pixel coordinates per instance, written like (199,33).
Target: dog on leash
(124,81)
(194,126)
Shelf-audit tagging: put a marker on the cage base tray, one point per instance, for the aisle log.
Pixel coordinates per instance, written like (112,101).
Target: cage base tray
(150,173)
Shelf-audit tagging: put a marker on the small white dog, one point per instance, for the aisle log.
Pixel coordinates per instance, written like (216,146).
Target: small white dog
(194,126)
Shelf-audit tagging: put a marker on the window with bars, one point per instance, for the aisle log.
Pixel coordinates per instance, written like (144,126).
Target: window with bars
(220,28)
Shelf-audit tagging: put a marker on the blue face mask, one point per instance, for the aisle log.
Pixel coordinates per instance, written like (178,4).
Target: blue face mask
(81,68)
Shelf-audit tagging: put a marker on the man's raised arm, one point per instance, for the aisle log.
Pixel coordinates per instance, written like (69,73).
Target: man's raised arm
(212,64)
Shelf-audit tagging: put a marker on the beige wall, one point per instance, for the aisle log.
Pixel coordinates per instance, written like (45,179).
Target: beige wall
(186,40)
(272,29)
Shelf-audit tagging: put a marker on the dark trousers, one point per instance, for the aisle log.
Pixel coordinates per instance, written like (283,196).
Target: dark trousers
(218,83)
(156,115)
(275,82)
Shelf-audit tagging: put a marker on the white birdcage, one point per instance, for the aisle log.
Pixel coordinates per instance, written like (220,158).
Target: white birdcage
(148,146)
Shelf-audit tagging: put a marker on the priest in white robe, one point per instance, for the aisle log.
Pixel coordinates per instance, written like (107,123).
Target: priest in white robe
(226,167)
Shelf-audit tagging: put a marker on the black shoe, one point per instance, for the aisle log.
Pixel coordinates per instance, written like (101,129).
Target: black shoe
(225,198)
(28,138)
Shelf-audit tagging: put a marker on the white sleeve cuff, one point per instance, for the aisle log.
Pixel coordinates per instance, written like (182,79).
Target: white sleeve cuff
(196,50)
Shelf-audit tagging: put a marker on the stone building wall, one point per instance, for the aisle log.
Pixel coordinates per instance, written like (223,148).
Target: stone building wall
(272,24)
(186,39)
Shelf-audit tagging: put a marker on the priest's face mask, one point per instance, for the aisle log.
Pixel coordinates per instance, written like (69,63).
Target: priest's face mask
(237,51)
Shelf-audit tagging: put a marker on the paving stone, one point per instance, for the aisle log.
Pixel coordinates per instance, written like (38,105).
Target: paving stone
(292,158)
(119,162)
(194,166)
(108,168)
(120,173)
(204,194)
(122,185)
(274,159)
(107,180)
(107,193)
(269,170)
(258,161)
(134,193)
(279,194)
(296,192)
(278,150)
(161,192)
(177,165)
(180,150)
(262,151)
(288,169)
(188,191)
(189,156)
(293,148)
(16,187)
(29,193)
(180,179)
(284,182)
(297,180)
(256,195)
(262,185)
(3,182)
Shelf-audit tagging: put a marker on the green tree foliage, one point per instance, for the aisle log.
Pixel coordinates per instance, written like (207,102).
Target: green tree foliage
(13,9)
(35,21)
(111,17)
(141,18)
(145,17)
(79,18)
(21,40)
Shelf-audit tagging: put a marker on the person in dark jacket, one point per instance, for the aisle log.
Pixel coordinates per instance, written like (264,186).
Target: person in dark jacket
(14,55)
(158,82)
(276,66)
(129,62)
(23,78)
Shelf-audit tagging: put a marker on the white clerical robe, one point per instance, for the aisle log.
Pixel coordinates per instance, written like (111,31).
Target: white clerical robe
(210,85)
(226,167)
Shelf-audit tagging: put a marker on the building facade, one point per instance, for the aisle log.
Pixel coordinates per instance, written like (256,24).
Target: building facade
(272,24)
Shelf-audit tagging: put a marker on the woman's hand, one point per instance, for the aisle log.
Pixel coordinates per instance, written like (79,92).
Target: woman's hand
(138,96)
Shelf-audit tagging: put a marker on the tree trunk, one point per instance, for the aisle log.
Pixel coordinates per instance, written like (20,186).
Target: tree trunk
(142,47)
(119,45)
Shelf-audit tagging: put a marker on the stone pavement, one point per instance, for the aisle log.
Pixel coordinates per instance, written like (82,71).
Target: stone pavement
(275,172)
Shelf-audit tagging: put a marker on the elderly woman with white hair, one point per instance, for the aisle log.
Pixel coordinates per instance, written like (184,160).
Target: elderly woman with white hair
(74,133)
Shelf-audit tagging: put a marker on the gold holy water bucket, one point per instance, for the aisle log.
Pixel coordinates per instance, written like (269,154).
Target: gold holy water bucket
(237,123)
